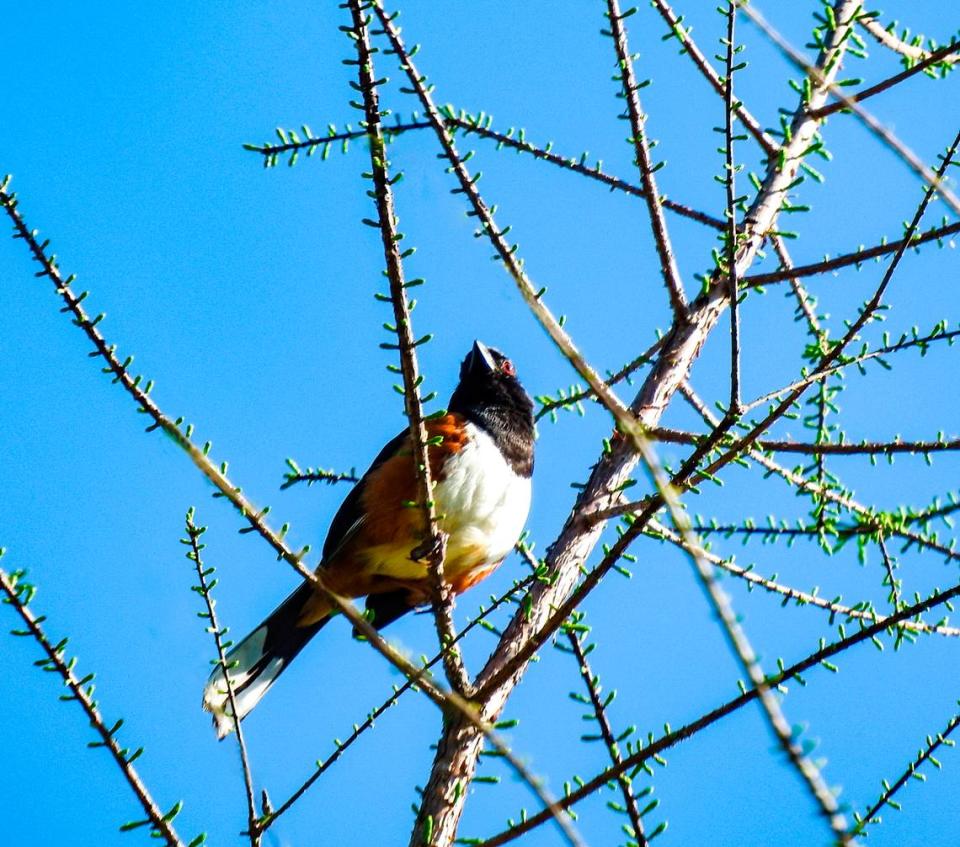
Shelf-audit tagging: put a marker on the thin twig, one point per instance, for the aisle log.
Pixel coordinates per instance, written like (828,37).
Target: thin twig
(641,149)
(270,152)
(625,372)
(846,361)
(894,583)
(573,164)
(859,611)
(933,58)
(846,259)
(470,125)
(770,147)
(81,690)
(924,755)
(204,589)
(730,183)
(863,448)
(898,45)
(140,390)
(609,739)
(311,476)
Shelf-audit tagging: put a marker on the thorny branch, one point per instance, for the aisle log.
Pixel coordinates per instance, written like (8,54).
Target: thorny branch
(480,125)
(18,593)
(609,739)
(553,598)
(821,657)
(641,150)
(433,548)
(924,755)
(204,589)
(859,611)
(888,38)
(857,257)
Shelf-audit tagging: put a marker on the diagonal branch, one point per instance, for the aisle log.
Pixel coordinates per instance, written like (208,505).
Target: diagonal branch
(925,755)
(17,594)
(898,45)
(860,611)
(855,258)
(609,739)
(944,53)
(448,701)
(689,46)
(641,149)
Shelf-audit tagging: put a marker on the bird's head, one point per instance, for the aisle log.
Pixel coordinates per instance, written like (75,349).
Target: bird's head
(488,383)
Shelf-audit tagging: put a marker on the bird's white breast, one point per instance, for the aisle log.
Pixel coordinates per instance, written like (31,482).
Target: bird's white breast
(482,501)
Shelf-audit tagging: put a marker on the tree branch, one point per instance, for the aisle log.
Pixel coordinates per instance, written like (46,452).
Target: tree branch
(18,594)
(203,588)
(433,547)
(641,150)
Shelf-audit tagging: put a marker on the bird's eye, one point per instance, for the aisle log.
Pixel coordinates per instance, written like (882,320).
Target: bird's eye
(506,366)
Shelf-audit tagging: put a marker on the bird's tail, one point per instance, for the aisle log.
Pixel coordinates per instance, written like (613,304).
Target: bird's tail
(255,663)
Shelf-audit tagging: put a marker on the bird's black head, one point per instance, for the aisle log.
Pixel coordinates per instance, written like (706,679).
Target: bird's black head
(490,396)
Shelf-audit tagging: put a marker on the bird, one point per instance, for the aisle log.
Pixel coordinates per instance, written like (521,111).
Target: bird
(481,453)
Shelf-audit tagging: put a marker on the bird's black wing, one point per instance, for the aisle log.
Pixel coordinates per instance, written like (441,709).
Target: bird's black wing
(349,517)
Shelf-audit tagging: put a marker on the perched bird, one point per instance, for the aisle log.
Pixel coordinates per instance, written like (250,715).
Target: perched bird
(481,471)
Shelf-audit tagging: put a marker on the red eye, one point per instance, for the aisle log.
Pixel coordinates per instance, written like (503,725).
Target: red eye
(506,366)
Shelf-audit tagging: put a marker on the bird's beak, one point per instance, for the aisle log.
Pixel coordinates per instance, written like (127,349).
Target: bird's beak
(481,360)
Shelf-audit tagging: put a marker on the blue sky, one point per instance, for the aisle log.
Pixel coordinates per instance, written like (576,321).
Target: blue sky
(247,295)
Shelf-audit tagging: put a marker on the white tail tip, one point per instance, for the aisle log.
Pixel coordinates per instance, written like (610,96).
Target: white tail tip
(248,682)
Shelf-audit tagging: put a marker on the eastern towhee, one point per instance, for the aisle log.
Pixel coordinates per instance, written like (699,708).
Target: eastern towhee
(481,471)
